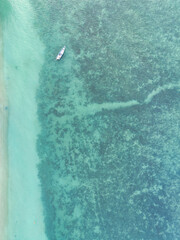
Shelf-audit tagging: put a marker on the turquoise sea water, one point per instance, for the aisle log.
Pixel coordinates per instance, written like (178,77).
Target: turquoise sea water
(23,57)
(106,129)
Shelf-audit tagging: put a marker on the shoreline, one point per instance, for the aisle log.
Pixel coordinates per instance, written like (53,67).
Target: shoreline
(3,149)
(23,59)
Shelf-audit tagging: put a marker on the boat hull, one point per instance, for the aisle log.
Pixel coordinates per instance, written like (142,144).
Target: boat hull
(61,53)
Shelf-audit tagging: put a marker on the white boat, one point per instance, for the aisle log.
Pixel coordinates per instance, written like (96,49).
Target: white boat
(60,54)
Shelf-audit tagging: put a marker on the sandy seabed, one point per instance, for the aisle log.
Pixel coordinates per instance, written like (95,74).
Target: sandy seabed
(3,149)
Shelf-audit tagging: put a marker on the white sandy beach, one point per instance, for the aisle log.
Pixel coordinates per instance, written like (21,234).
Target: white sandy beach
(3,150)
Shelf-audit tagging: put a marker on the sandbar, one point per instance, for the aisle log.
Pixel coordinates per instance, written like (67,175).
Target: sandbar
(3,149)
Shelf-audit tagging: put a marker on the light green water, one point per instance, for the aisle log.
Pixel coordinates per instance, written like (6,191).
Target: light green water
(108,112)
(24,55)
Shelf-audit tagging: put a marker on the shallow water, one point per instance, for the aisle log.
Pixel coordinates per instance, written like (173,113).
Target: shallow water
(23,57)
(109,116)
